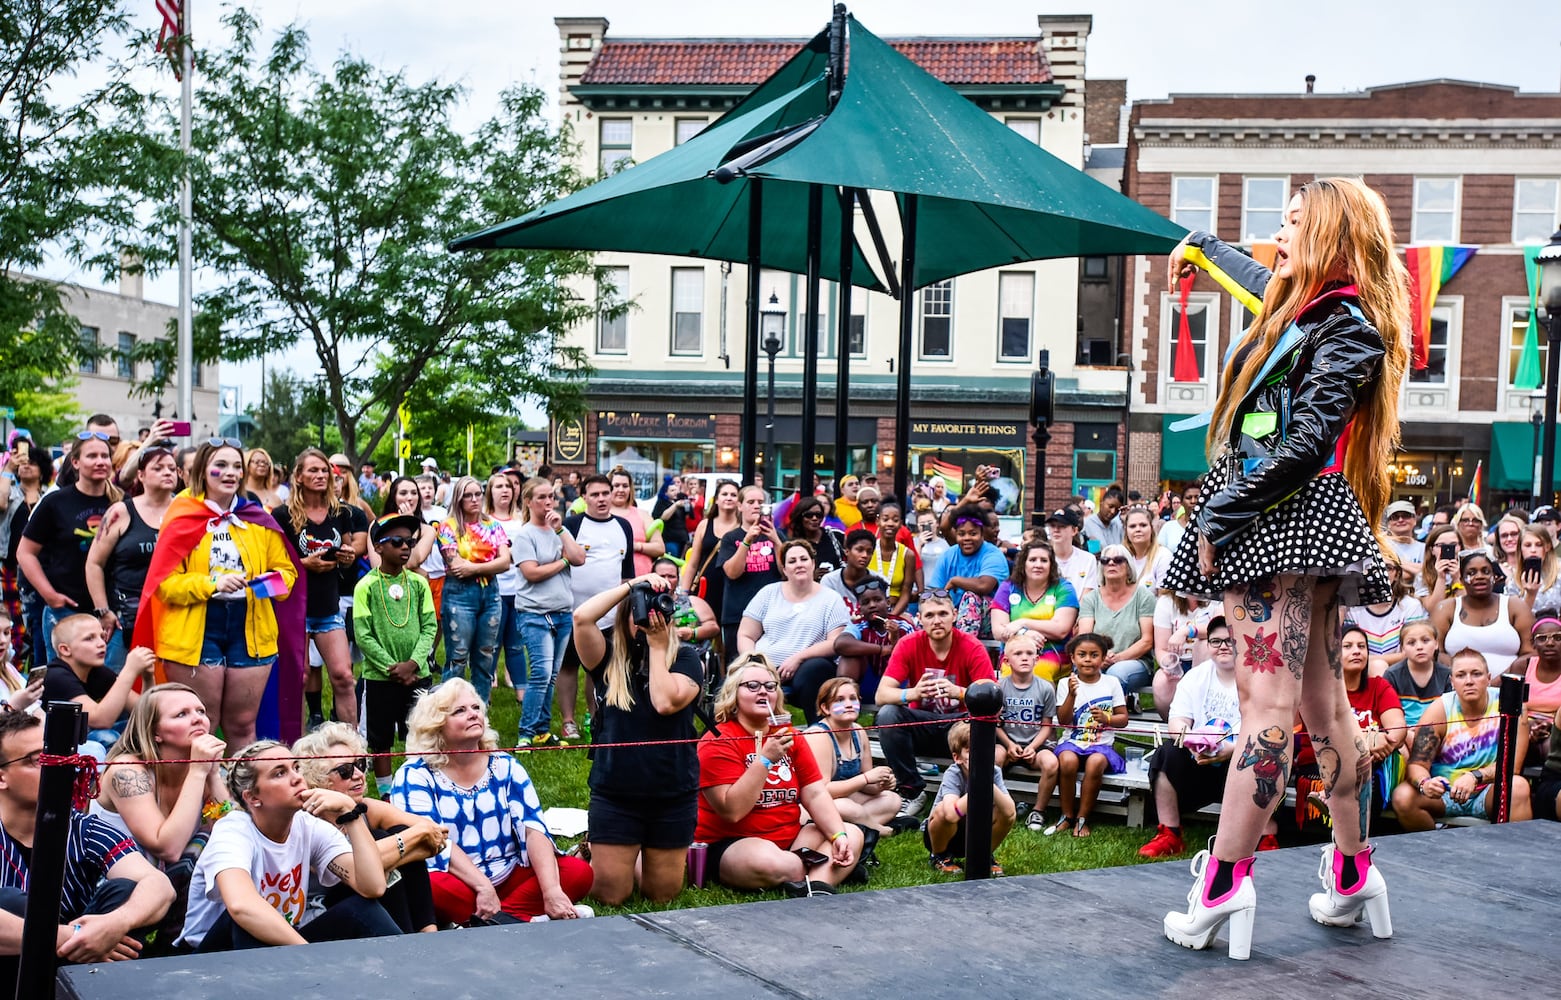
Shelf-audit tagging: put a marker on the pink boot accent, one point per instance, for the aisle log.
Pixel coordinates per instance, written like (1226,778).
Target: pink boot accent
(1362,869)
(1240,870)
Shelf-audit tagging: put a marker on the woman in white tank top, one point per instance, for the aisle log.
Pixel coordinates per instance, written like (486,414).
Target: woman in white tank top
(1482,620)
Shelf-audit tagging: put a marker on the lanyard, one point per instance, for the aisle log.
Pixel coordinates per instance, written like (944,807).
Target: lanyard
(893,562)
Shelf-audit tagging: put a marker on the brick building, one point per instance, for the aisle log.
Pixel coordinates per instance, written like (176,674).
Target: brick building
(667,390)
(1458,163)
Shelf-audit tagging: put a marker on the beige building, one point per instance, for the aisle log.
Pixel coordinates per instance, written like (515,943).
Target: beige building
(667,394)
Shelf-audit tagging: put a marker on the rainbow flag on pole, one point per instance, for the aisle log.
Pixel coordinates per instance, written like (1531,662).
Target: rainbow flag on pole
(1476,489)
(1430,267)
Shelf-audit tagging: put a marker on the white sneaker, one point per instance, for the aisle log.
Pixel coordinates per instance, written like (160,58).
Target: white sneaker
(912,806)
(581,910)
(1035,821)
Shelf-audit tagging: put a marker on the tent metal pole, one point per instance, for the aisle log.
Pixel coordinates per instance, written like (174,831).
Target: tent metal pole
(843,335)
(750,418)
(815,262)
(902,401)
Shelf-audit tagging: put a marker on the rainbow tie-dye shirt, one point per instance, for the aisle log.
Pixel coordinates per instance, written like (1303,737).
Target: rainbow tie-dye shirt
(1469,743)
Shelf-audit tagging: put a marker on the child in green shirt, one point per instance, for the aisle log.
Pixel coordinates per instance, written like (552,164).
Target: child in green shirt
(395,622)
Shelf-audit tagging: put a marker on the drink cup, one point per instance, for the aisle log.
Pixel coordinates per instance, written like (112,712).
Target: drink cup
(696,863)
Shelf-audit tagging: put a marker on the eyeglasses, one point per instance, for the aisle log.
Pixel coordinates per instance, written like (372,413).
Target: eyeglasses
(1404,513)
(30,758)
(1227,641)
(871,583)
(757,686)
(345,771)
(947,595)
(399,541)
(98,435)
(1548,637)
(1470,520)
(229,442)
(812,513)
(1112,561)
(469,495)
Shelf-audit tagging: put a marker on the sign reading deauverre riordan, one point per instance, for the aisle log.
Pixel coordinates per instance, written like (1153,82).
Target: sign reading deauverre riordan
(670,426)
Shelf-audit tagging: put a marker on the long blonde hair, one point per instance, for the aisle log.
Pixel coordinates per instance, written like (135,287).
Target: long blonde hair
(295,495)
(1344,224)
(425,723)
(726,699)
(620,663)
(139,739)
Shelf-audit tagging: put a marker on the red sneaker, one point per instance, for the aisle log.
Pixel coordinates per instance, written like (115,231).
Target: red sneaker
(1166,842)
(1268,842)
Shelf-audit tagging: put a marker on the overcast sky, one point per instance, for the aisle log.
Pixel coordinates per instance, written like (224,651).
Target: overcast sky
(1211,47)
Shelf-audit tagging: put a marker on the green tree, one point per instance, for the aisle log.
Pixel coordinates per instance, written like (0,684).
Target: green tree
(323,204)
(59,182)
(288,417)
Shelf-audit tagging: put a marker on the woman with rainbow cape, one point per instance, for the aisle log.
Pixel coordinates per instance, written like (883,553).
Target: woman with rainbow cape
(220,608)
(1303,428)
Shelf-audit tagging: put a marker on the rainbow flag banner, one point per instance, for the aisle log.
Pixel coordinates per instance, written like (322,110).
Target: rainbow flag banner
(1430,267)
(269,585)
(1476,487)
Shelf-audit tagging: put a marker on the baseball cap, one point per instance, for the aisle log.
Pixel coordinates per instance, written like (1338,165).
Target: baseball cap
(1067,516)
(383,526)
(1546,513)
(1399,507)
(340,461)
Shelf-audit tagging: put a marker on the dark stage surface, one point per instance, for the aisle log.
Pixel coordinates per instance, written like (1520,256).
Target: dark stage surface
(1476,913)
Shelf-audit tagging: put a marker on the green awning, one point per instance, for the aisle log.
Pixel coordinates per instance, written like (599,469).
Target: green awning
(1512,456)
(1181,452)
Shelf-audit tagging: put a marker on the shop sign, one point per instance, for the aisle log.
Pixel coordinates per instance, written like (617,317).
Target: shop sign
(958,433)
(567,440)
(672,426)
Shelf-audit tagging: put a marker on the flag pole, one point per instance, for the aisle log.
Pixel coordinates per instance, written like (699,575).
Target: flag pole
(186,342)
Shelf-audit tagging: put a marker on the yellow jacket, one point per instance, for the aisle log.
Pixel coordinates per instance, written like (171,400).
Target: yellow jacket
(185,593)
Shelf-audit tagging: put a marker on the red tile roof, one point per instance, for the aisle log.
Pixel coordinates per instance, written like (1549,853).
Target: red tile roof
(750,62)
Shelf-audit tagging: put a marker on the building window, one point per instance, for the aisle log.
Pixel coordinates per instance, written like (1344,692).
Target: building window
(617,141)
(1015,311)
(937,321)
(1436,210)
(89,350)
(858,323)
(687,128)
(688,310)
(612,335)
(1435,371)
(1536,213)
(1094,269)
(125,366)
(197,375)
(1030,128)
(1192,203)
(1518,316)
(1262,207)
(1192,363)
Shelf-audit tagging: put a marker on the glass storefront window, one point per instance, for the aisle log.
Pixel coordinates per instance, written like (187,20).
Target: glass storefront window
(957,467)
(650,462)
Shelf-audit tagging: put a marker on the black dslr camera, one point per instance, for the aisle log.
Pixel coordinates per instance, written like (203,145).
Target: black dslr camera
(644,599)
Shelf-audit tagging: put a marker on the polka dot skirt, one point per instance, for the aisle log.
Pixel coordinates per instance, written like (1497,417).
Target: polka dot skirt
(1320,531)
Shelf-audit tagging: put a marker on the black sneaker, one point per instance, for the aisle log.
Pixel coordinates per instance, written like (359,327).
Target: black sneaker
(316,720)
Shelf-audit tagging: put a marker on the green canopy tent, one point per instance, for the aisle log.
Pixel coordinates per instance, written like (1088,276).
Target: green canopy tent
(971,194)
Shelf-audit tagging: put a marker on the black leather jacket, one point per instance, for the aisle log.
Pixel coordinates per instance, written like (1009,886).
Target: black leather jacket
(1287,428)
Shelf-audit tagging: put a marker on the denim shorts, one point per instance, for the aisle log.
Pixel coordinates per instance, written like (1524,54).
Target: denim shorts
(1474,807)
(327,623)
(223,644)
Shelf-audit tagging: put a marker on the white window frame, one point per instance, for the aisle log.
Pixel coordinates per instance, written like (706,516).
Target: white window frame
(1214,197)
(1248,231)
(678,138)
(943,288)
(859,309)
(1417,232)
(1021,299)
(1519,236)
(617,280)
(1448,309)
(1209,369)
(697,298)
(1022,126)
(1514,308)
(622,150)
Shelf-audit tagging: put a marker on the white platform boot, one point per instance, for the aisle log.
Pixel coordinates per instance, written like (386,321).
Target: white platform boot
(1339,905)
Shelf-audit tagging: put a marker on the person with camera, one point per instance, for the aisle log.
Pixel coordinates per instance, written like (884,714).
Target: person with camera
(643,808)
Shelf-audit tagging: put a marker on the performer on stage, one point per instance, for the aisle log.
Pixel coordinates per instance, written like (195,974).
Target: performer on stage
(1303,429)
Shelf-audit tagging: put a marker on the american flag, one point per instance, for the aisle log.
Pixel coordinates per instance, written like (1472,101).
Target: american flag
(173,16)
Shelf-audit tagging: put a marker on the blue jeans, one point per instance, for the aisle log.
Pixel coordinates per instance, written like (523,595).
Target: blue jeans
(1134,675)
(43,646)
(510,639)
(119,642)
(471,618)
(546,636)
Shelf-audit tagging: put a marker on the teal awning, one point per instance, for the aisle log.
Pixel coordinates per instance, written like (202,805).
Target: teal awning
(1181,452)
(1512,456)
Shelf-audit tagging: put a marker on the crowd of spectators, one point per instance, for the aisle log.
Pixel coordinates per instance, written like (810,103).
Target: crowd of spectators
(190,599)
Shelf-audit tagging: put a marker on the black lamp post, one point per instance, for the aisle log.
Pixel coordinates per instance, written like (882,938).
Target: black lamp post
(772,323)
(1549,262)
(1536,417)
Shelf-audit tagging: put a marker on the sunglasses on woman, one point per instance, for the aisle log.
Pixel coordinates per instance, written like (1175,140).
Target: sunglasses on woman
(345,771)
(1113,561)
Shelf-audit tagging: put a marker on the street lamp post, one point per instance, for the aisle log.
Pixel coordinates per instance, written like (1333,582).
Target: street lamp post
(772,323)
(1536,417)
(1126,360)
(1549,262)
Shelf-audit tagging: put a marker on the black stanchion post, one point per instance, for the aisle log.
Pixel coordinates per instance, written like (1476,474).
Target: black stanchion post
(984,699)
(1510,705)
(46,873)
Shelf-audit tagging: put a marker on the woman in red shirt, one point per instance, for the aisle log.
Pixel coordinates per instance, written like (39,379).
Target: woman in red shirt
(754,780)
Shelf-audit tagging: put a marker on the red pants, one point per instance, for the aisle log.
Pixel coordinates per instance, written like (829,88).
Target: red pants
(437,587)
(519,895)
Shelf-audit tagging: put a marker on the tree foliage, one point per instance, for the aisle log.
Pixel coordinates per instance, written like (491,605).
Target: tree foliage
(288,417)
(323,204)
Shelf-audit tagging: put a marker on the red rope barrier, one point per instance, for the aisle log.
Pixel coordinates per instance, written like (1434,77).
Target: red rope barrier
(86,787)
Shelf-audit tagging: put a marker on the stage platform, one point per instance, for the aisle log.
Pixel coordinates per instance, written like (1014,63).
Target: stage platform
(1475,913)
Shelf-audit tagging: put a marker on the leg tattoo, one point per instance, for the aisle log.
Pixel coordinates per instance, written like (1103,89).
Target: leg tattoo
(1363,775)
(1333,645)
(1264,755)
(1261,655)
(1259,599)
(1328,762)
(1296,624)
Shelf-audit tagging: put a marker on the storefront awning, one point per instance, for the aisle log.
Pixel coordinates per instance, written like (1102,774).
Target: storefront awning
(1512,456)
(1181,452)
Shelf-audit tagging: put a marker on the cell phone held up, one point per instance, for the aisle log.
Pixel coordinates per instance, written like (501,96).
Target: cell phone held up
(1447,550)
(1532,565)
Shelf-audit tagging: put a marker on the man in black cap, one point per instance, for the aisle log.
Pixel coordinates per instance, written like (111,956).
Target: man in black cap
(1549,518)
(1076,565)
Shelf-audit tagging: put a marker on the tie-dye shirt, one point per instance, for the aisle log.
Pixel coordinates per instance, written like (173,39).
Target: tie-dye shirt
(1011,598)
(1383,631)
(1469,743)
(481,542)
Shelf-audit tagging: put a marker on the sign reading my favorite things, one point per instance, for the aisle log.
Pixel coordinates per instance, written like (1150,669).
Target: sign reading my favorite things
(969,433)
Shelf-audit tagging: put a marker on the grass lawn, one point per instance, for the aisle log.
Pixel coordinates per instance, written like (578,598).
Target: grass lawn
(560,777)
